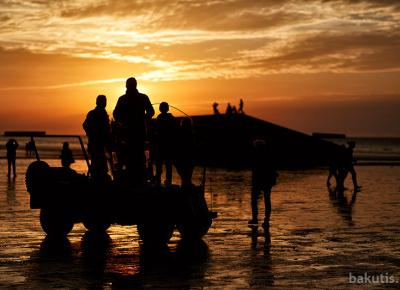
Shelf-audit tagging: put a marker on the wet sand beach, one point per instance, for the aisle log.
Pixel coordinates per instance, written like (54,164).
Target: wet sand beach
(316,239)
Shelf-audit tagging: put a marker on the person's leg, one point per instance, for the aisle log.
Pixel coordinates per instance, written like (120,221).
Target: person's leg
(159,165)
(14,169)
(267,204)
(168,171)
(353,176)
(328,181)
(9,167)
(254,206)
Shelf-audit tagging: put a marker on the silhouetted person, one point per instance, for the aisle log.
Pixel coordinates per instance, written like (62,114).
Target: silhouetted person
(66,156)
(349,163)
(132,111)
(29,147)
(229,109)
(333,170)
(263,179)
(241,104)
(166,141)
(215,108)
(11,147)
(234,110)
(97,128)
(184,162)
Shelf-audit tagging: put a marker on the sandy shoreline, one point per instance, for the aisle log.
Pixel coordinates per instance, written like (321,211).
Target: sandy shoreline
(317,239)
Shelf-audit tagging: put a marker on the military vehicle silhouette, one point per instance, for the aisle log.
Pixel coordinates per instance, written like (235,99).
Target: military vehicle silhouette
(66,197)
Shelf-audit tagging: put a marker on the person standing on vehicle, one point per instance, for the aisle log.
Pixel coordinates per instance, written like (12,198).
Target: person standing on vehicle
(98,131)
(185,153)
(166,131)
(132,111)
(264,177)
(11,147)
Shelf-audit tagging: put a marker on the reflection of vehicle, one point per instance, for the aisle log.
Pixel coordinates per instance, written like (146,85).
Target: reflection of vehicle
(65,197)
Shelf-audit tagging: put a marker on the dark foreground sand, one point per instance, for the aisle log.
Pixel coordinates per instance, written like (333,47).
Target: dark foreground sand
(316,240)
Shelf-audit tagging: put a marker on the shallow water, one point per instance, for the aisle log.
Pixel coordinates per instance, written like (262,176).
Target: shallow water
(316,239)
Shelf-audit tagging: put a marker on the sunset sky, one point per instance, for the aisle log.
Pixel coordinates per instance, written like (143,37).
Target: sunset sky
(326,66)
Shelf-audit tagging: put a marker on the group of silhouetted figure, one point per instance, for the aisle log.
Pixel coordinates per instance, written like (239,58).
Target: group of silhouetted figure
(230,110)
(121,145)
(130,134)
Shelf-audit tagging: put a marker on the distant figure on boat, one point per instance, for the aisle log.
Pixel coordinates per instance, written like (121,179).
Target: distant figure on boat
(11,146)
(66,156)
(184,161)
(264,177)
(29,148)
(215,108)
(132,112)
(166,131)
(234,110)
(97,128)
(229,110)
(241,105)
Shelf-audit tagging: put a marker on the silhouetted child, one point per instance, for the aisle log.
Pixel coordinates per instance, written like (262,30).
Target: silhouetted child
(184,162)
(11,147)
(66,156)
(166,141)
(263,179)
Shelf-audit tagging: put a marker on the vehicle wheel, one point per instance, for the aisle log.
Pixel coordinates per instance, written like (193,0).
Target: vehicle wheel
(155,233)
(35,180)
(55,222)
(96,225)
(195,228)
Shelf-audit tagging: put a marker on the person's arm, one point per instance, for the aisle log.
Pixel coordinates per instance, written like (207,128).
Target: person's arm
(149,109)
(117,111)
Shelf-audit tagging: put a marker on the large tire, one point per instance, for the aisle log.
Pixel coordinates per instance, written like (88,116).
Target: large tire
(194,228)
(55,222)
(96,224)
(36,178)
(155,233)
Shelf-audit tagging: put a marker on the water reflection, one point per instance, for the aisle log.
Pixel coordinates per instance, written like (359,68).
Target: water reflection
(11,200)
(95,247)
(261,274)
(96,262)
(55,248)
(344,206)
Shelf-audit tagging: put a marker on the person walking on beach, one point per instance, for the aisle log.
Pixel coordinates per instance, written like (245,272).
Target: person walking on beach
(348,159)
(264,177)
(132,111)
(166,141)
(11,147)
(66,156)
(98,131)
